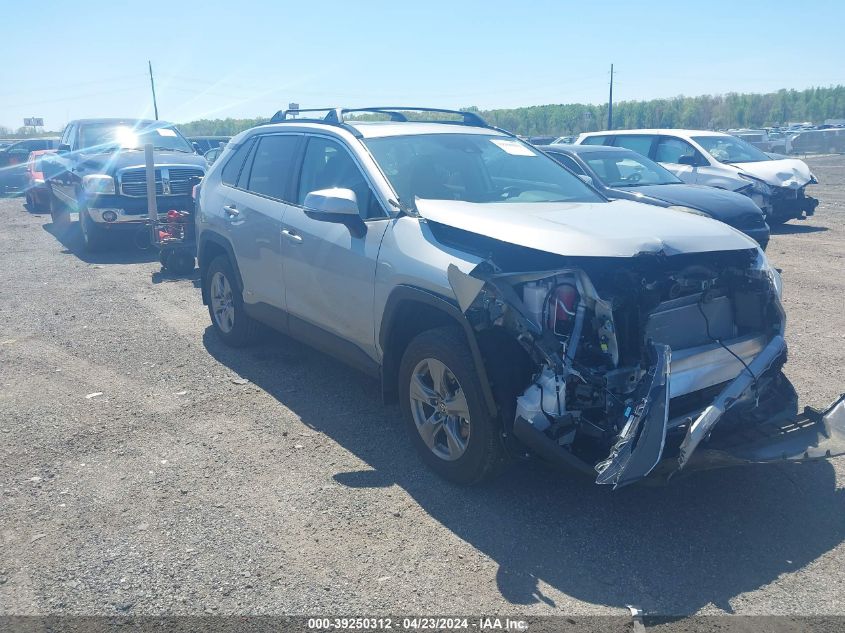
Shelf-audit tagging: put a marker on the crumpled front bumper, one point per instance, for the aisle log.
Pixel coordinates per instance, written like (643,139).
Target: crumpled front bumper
(812,435)
(744,424)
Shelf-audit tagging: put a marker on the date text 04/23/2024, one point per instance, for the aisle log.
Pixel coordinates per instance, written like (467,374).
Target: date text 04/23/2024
(417,624)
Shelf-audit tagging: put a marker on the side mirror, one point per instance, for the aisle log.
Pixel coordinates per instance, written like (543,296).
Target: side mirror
(336,205)
(691,161)
(586,179)
(196,147)
(63,148)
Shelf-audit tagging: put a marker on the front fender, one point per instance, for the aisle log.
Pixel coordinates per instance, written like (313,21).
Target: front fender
(404,294)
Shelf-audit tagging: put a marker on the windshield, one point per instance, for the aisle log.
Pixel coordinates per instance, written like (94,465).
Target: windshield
(627,169)
(474,168)
(729,149)
(111,135)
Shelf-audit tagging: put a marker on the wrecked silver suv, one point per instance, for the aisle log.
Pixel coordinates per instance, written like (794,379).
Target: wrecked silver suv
(512,310)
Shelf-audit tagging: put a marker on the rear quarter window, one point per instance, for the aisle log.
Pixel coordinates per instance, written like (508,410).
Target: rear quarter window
(232,168)
(639,143)
(595,140)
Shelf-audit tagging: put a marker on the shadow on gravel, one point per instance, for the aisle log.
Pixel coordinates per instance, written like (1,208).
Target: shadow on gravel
(797,229)
(122,250)
(165,276)
(670,550)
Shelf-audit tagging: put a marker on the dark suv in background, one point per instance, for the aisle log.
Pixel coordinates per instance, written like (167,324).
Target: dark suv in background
(99,171)
(13,161)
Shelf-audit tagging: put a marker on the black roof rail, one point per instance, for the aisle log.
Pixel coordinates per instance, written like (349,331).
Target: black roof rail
(397,113)
(335,116)
(332,115)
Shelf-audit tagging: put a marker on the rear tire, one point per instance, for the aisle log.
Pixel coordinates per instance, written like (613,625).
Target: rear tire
(226,305)
(465,449)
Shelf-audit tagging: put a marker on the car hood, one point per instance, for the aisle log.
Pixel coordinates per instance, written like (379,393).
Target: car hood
(786,172)
(110,162)
(718,203)
(619,228)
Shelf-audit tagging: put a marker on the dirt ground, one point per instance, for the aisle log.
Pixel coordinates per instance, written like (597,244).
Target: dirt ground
(146,469)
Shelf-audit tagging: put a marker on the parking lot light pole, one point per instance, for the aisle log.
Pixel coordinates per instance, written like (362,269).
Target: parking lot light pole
(153,86)
(610,102)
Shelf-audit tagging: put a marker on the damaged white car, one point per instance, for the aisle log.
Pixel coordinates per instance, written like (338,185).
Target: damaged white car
(513,311)
(776,185)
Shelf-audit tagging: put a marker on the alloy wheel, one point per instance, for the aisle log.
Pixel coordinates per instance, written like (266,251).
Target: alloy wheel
(439,409)
(222,302)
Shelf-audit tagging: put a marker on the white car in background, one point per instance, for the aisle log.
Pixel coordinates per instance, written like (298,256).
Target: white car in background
(777,185)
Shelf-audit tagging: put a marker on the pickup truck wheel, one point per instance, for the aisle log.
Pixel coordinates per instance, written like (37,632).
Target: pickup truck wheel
(443,407)
(178,262)
(226,306)
(58,211)
(93,237)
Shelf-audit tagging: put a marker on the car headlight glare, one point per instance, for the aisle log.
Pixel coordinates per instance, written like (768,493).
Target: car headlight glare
(98,183)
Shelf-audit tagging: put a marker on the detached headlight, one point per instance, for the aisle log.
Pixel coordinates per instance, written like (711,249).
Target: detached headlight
(755,186)
(98,183)
(763,266)
(678,207)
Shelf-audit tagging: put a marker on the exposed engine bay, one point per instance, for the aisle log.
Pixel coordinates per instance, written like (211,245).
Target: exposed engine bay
(633,362)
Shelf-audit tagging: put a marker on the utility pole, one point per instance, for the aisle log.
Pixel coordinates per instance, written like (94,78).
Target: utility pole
(609,102)
(153,86)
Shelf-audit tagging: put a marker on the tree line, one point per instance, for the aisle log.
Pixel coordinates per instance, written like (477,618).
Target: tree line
(709,112)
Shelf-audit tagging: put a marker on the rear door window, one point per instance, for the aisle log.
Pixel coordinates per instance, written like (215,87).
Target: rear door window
(640,143)
(272,164)
(232,169)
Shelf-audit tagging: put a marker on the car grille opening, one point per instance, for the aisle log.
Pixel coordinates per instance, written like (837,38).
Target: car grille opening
(133,182)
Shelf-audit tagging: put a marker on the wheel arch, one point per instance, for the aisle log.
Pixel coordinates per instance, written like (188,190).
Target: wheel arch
(210,245)
(410,311)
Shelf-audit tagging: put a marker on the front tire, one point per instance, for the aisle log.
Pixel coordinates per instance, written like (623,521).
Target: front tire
(94,238)
(444,410)
(58,211)
(226,305)
(178,262)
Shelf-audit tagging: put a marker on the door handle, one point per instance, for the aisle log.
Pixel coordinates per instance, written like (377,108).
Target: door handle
(292,237)
(231,211)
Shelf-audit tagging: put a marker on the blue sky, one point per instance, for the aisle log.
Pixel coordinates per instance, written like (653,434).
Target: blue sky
(246,58)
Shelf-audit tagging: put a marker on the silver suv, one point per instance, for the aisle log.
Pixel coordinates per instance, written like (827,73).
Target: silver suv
(512,310)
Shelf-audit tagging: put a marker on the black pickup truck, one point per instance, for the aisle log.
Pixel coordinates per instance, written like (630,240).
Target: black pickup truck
(99,171)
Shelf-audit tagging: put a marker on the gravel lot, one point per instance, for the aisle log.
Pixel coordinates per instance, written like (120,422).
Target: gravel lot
(273,481)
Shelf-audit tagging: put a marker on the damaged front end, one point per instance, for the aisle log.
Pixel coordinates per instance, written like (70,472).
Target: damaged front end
(651,365)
